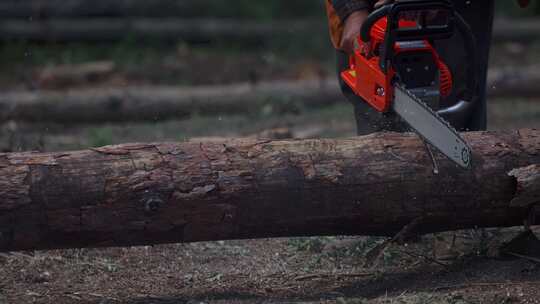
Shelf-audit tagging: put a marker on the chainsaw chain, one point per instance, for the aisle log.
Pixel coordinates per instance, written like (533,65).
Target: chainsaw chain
(436,115)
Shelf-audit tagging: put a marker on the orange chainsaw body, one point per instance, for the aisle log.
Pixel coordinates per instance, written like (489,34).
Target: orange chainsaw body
(366,78)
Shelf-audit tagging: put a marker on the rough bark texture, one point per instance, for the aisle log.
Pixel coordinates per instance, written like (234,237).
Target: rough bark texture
(158,103)
(528,186)
(184,192)
(196,30)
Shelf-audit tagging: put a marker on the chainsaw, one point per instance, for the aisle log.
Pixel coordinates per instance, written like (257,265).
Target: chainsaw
(395,67)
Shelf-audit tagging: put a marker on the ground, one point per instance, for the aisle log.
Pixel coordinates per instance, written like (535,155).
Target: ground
(313,270)
(297,270)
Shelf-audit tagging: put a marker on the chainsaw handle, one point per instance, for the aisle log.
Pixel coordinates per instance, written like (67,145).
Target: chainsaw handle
(393,10)
(365,30)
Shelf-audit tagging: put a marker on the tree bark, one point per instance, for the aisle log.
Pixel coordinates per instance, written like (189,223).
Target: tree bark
(160,103)
(138,194)
(103,29)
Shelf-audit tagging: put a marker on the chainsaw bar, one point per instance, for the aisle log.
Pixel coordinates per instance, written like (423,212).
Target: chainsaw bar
(431,127)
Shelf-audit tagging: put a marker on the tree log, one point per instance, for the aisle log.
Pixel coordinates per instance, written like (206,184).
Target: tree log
(160,103)
(44,9)
(137,194)
(162,29)
(521,30)
(197,30)
(66,75)
(512,82)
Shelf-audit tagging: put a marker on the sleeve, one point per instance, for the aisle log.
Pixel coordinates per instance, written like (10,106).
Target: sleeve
(338,11)
(344,8)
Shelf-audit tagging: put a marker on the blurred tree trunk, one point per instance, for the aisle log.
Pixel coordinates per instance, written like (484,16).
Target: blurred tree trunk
(137,194)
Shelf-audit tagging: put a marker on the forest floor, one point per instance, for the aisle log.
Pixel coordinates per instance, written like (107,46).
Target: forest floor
(296,270)
(444,268)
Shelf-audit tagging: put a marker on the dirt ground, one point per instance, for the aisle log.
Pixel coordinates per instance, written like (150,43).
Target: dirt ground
(297,270)
(307,270)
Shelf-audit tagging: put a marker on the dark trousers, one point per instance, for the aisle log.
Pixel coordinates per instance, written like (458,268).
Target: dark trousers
(479,15)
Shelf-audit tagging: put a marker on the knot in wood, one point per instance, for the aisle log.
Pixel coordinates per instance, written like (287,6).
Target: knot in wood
(152,205)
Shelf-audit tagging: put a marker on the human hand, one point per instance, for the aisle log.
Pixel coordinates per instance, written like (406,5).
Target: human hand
(351,30)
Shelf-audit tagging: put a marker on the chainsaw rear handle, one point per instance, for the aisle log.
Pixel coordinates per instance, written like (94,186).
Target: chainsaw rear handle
(461,111)
(424,31)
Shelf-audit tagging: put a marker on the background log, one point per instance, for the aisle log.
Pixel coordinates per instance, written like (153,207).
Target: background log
(44,9)
(184,192)
(521,30)
(162,29)
(62,76)
(171,29)
(514,82)
(159,103)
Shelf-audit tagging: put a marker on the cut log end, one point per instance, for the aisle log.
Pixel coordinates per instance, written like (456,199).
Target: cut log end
(527,181)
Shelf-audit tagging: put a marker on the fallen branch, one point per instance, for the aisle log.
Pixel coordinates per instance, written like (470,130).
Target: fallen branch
(487,284)
(333,275)
(429,259)
(525,257)
(139,194)
(374,254)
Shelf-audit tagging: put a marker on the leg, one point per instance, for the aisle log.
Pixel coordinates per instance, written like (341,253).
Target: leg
(479,15)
